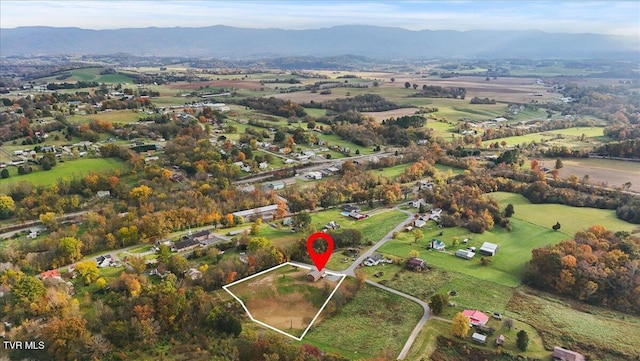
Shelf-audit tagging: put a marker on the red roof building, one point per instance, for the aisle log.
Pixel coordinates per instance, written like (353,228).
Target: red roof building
(50,274)
(476,317)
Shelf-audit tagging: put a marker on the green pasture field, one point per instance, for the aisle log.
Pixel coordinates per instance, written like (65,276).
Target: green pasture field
(508,264)
(572,219)
(528,114)
(392,172)
(373,229)
(377,321)
(279,237)
(570,323)
(569,137)
(315,112)
(443,170)
(68,170)
(116,116)
(91,74)
(334,139)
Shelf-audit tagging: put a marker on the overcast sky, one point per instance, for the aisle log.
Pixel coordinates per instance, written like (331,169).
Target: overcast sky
(608,17)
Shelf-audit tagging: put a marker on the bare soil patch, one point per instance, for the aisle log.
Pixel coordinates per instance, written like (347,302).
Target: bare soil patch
(380,116)
(238,84)
(613,173)
(283,298)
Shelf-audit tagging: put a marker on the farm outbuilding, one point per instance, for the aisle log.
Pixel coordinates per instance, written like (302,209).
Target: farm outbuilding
(489,249)
(465,253)
(561,354)
(479,338)
(314,275)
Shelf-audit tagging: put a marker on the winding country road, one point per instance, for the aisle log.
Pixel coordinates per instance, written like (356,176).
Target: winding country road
(350,271)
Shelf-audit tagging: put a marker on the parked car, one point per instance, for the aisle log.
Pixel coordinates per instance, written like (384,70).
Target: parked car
(497,316)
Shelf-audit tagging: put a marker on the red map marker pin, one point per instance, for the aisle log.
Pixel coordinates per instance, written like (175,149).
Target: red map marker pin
(320,259)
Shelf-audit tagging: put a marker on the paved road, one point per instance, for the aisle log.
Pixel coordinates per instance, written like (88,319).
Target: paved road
(351,270)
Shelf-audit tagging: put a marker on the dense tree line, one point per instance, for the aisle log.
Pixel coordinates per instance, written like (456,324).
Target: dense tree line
(476,100)
(76,85)
(434,91)
(629,148)
(466,206)
(407,121)
(274,106)
(597,266)
(360,103)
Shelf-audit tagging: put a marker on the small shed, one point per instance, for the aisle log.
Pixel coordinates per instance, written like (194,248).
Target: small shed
(479,338)
(419,223)
(465,253)
(500,340)
(314,275)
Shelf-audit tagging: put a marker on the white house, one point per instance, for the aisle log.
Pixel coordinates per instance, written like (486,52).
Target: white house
(314,175)
(418,223)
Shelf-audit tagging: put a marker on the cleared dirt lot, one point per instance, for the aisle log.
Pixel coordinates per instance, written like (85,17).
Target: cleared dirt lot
(283,298)
(238,84)
(614,173)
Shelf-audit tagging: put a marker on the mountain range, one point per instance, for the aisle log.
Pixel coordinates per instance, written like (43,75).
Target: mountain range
(371,41)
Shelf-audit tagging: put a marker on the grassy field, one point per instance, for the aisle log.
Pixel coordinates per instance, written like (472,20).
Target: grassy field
(117,116)
(92,74)
(580,327)
(372,229)
(67,170)
(572,219)
(508,264)
(569,137)
(374,322)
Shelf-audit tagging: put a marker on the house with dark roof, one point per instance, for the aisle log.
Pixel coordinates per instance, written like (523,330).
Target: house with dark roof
(416,264)
(562,354)
(184,245)
(104,261)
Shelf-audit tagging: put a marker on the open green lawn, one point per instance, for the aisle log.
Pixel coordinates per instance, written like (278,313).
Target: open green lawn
(569,137)
(572,219)
(392,172)
(373,322)
(117,116)
(373,229)
(580,326)
(508,264)
(68,170)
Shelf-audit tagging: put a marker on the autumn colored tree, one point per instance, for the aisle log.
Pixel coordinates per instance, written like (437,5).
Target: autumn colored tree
(460,325)
(65,337)
(414,254)
(88,270)
(417,235)
(7,206)
(48,219)
(68,250)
